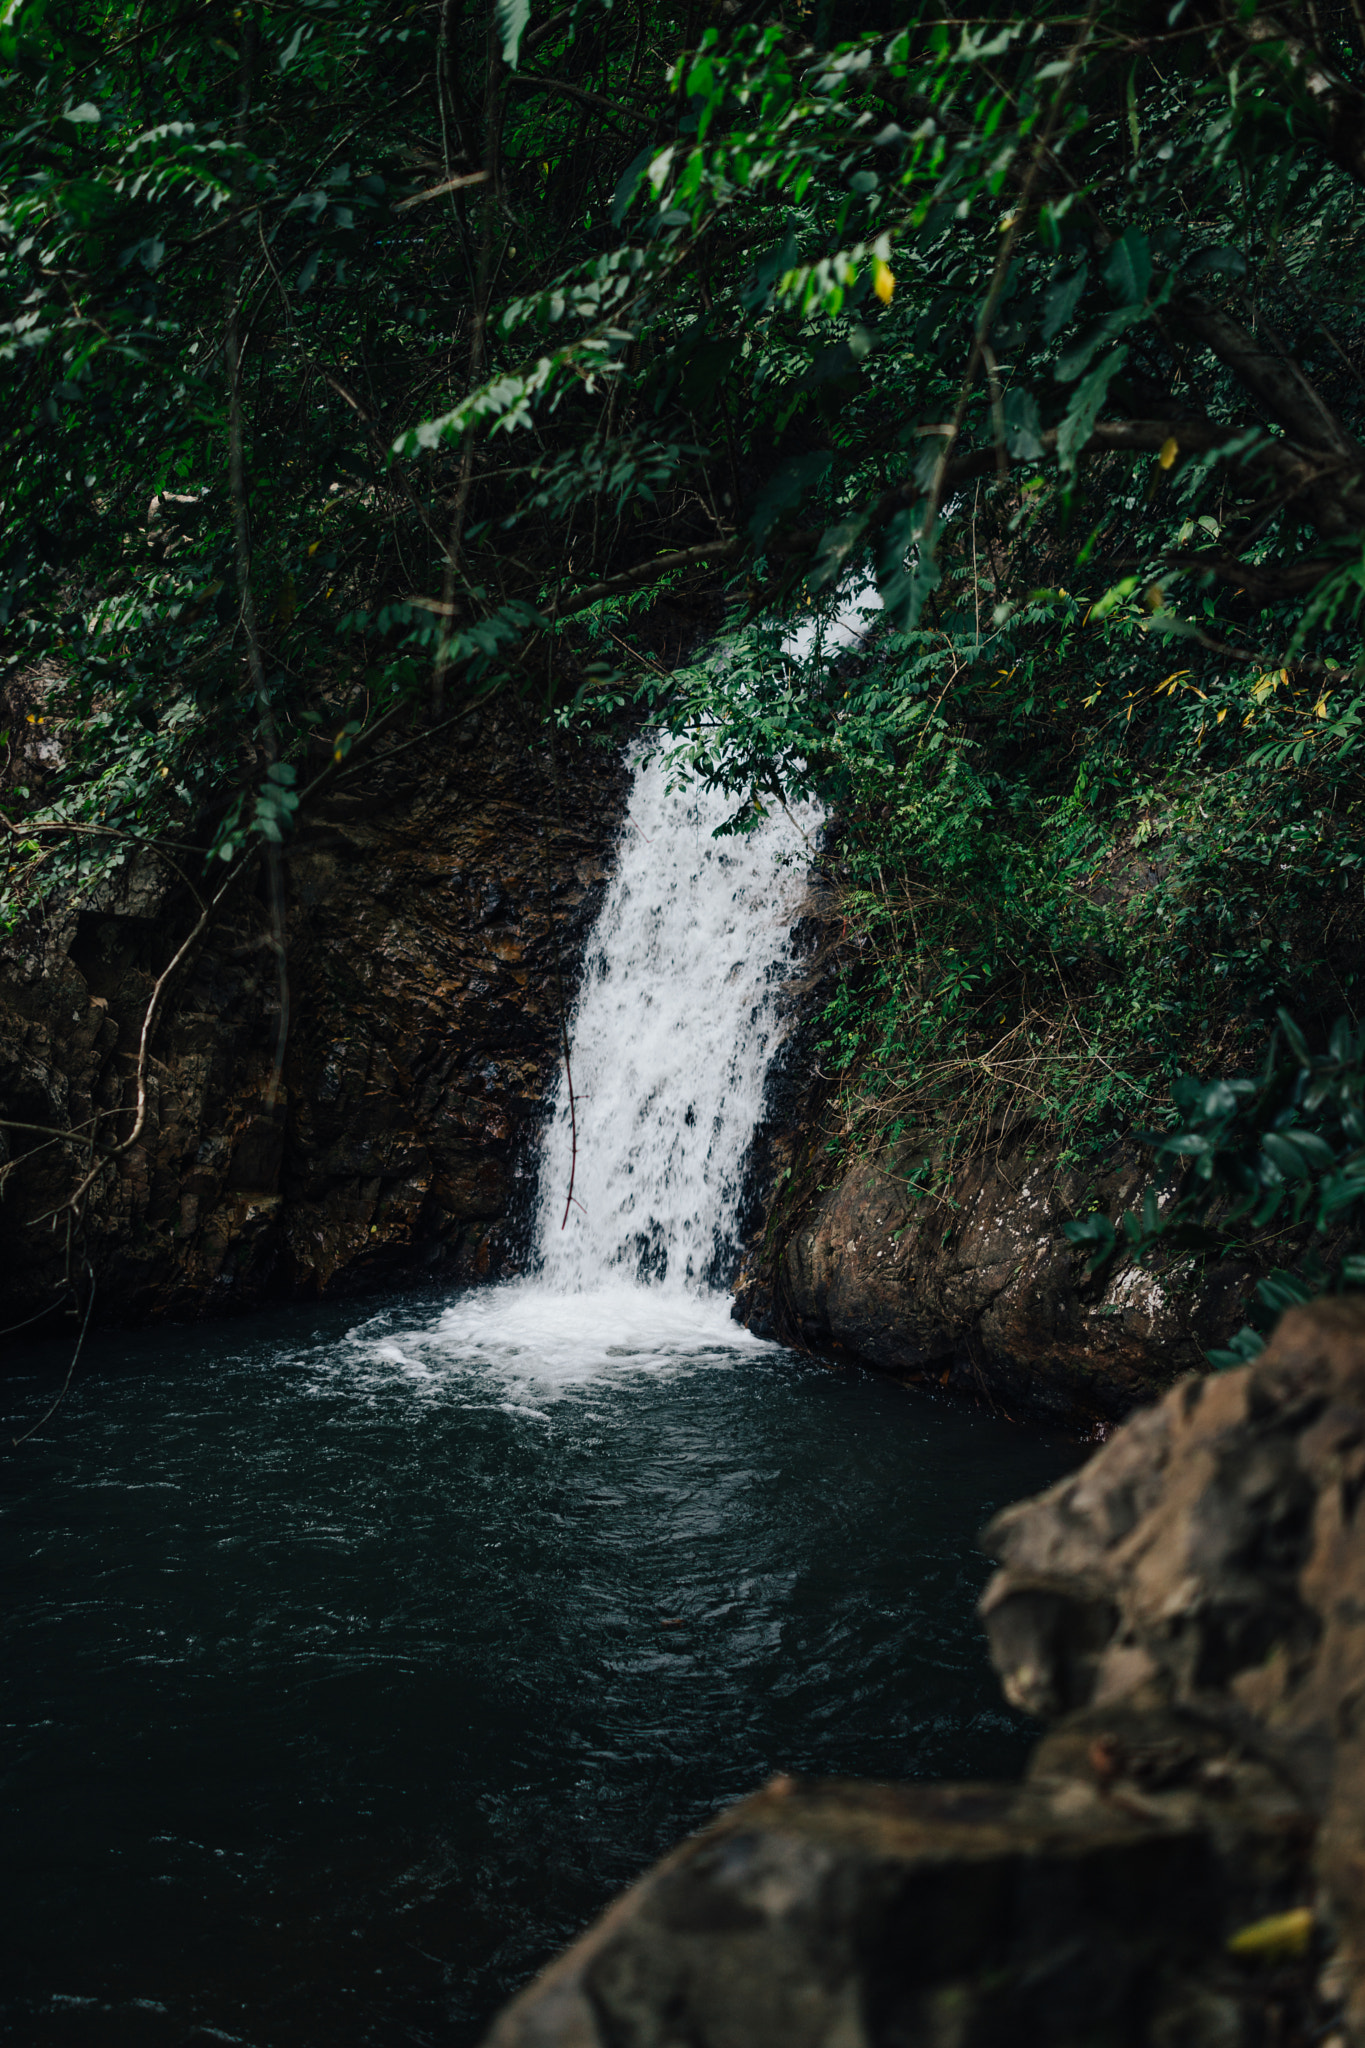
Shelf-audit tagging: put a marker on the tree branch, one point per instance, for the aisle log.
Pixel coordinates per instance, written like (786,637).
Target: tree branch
(1271,377)
(595,100)
(649,572)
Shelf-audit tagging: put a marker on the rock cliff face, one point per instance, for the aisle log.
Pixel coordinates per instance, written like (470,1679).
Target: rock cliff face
(981,1293)
(1184,1865)
(436,911)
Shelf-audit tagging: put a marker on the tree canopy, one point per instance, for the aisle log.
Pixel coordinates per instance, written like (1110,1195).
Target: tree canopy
(365,360)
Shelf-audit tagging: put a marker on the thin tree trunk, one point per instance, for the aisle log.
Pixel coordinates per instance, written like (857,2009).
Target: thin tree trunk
(239,493)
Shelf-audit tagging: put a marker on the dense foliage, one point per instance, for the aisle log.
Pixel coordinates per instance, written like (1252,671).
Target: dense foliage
(361,360)
(1265,1155)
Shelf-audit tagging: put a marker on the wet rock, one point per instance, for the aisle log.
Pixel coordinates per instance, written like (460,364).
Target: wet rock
(980,1291)
(435,908)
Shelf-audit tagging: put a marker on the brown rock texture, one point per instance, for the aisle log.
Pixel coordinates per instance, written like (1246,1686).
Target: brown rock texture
(850,1915)
(1211,1561)
(980,1291)
(436,905)
(1184,1864)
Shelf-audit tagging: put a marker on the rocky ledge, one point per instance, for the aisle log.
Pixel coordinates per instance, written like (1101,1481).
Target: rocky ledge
(976,1289)
(1184,1864)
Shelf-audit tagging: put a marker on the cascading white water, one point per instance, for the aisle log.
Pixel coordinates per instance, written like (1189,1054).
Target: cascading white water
(670,1044)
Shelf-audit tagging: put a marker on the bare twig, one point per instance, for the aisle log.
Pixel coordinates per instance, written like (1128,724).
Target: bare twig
(455,184)
(43,1421)
(72,1203)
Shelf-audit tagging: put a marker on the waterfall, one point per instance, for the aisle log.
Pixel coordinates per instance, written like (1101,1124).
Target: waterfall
(670,1044)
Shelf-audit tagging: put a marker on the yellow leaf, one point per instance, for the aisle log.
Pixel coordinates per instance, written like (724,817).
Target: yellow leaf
(1222,714)
(1320,708)
(1281,1935)
(883,283)
(1170,448)
(315,546)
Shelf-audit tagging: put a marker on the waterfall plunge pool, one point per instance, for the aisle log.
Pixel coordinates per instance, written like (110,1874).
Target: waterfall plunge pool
(353,1659)
(351,1663)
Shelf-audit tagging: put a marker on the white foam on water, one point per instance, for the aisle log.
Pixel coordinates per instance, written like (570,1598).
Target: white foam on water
(849,625)
(545,1339)
(524,1347)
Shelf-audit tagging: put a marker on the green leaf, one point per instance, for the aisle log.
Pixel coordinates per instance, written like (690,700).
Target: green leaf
(1023,426)
(784,488)
(1281,1290)
(907,590)
(836,545)
(1245,1346)
(1129,268)
(287,56)
(1074,361)
(1097,1232)
(87,111)
(1087,402)
(1225,262)
(1095,1229)
(1315,1149)
(1062,301)
(511,17)
(1287,1156)
(629,183)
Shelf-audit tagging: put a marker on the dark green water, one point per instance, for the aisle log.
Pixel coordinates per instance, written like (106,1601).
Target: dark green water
(353,1661)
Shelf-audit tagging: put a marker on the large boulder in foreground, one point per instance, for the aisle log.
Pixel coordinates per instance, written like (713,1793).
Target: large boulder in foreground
(834,1915)
(1212,1558)
(1184,1865)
